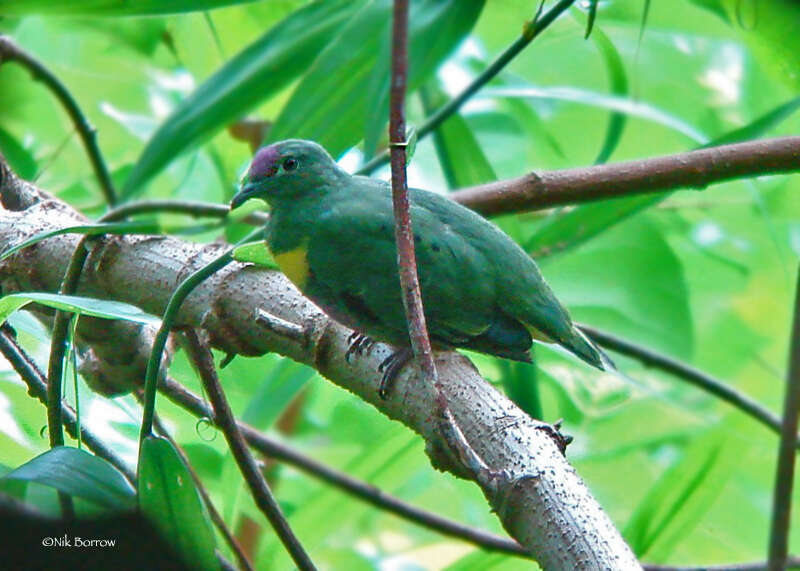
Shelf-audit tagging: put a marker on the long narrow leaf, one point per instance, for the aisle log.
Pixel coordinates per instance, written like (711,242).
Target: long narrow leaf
(169,499)
(76,304)
(601,100)
(345,94)
(460,156)
(135,227)
(618,80)
(254,75)
(110,7)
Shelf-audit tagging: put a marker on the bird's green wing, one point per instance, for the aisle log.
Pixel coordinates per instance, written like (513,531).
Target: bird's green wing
(522,294)
(353,264)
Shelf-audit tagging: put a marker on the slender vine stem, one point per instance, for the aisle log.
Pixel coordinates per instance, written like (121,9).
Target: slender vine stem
(188,207)
(10,51)
(36,382)
(403,232)
(170,313)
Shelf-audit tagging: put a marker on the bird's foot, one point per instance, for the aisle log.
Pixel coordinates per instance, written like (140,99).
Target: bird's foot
(391,367)
(359,344)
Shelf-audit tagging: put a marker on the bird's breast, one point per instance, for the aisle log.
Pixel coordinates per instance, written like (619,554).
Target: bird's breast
(294,263)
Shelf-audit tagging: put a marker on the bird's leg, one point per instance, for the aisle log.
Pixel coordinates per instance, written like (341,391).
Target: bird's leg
(359,344)
(391,367)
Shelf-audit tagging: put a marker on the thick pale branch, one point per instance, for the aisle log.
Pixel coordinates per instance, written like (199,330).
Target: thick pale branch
(693,169)
(538,496)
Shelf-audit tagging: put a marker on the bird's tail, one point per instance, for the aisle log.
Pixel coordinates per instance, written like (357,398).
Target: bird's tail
(583,347)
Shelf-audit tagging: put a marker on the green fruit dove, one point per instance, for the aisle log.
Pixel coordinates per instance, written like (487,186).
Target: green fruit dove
(332,234)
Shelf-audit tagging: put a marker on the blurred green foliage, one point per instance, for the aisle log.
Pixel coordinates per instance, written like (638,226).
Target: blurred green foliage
(703,276)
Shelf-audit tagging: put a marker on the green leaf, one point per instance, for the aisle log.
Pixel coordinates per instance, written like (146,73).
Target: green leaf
(601,100)
(460,156)
(255,74)
(135,227)
(770,29)
(592,14)
(282,384)
(169,499)
(79,474)
(629,281)
(110,7)
(715,6)
(345,94)
(758,127)
(521,385)
(436,27)
(75,304)
(255,253)
(18,157)
(619,87)
(676,502)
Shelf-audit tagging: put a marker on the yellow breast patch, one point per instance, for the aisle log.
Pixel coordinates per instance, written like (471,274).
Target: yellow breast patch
(294,264)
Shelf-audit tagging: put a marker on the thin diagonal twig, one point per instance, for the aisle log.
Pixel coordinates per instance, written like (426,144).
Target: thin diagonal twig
(357,488)
(698,378)
(791,563)
(201,357)
(530,31)
(784,473)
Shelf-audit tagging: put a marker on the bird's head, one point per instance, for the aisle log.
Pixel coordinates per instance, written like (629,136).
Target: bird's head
(287,170)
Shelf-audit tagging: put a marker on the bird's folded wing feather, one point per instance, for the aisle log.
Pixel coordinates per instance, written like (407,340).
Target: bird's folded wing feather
(353,261)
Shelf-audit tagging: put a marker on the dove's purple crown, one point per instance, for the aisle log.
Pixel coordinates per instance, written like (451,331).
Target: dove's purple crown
(265,163)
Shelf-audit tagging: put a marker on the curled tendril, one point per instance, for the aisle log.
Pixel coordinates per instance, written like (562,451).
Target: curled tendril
(205,422)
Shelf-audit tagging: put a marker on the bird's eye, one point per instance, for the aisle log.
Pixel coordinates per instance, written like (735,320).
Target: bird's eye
(289,164)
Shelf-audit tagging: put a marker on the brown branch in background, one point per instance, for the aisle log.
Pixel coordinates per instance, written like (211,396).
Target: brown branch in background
(693,169)
(201,357)
(244,562)
(358,489)
(9,51)
(35,380)
(784,474)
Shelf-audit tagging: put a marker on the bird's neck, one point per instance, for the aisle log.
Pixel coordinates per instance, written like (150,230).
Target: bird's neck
(289,224)
(292,218)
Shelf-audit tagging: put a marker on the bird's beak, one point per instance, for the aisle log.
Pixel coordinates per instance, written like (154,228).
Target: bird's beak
(247,191)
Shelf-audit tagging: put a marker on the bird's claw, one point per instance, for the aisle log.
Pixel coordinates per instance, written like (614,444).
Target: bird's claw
(358,345)
(391,367)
